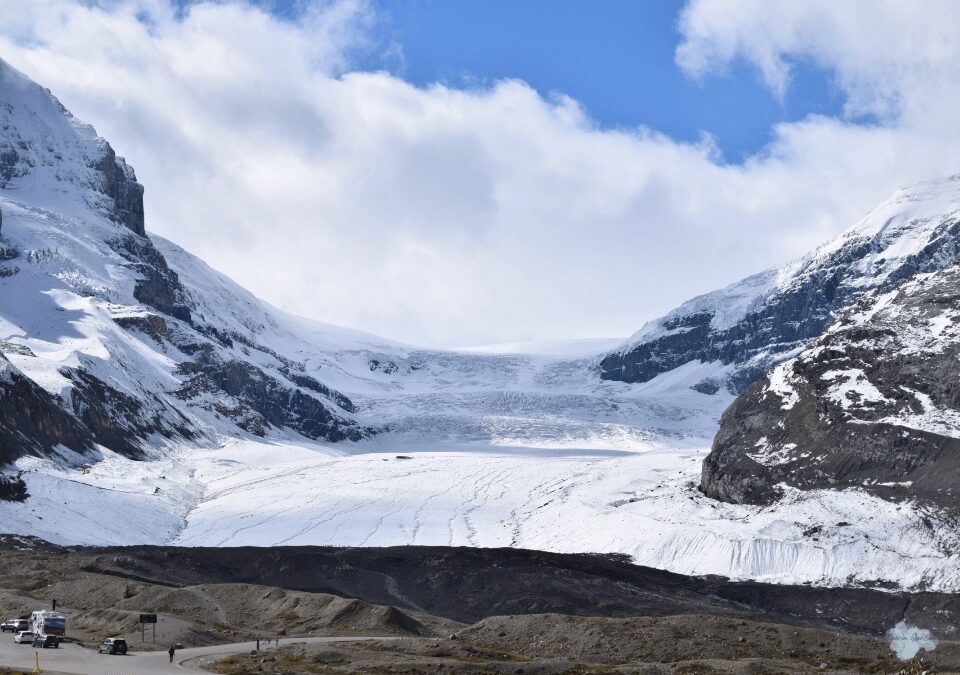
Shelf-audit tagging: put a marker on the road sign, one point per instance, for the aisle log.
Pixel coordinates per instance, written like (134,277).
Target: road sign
(148,618)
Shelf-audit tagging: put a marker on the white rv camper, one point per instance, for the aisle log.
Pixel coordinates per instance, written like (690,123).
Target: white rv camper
(46,622)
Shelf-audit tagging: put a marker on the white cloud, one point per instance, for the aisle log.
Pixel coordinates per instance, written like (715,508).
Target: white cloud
(889,57)
(444,216)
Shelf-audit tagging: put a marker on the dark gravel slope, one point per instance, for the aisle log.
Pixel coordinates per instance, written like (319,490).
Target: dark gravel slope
(468,584)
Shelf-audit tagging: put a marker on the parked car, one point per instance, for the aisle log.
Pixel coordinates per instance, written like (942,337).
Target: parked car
(46,641)
(24,637)
(14,625)
(112,646)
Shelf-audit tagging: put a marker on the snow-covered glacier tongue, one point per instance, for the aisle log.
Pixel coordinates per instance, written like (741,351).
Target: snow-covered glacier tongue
(145,397)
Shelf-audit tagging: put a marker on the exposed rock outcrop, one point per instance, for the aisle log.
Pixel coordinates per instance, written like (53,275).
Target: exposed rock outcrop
(11,166)
(708,386)
(874,404)
(120,421)
(8,253)
(274,402)
(32,421)
(158,286)
(13,489)
(119,183)
(153,325)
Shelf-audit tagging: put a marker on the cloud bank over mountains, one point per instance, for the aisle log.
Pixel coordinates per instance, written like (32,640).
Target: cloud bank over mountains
(448,216)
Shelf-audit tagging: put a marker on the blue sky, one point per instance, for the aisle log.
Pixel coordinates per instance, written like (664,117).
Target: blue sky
(615,57)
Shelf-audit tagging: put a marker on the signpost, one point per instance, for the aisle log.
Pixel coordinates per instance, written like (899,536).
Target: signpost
(145,619)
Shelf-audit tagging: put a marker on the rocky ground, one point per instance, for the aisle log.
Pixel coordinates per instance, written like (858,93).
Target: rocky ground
(463,610)
(469,584)
(552,643)
(100,605)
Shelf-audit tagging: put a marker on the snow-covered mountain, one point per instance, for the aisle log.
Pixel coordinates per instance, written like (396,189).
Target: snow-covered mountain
(769,317)
(144,397)
(874,404)
(104,329)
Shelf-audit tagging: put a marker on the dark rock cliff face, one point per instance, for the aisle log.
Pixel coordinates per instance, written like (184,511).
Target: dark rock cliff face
(159,286)
(260,400)
(12,166)
(119,183)
(119,421)
(13,489)
(8,254)
(791,315)
(874,404)
(32,422)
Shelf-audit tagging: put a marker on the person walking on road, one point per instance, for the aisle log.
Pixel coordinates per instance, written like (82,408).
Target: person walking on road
(258,644)
(171,652)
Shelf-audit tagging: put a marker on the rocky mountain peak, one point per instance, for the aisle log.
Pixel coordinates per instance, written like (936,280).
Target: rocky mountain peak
(50,159)
(102,344)
(766,318)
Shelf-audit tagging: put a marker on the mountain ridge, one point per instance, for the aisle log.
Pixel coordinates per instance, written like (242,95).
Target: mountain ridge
(768,317)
